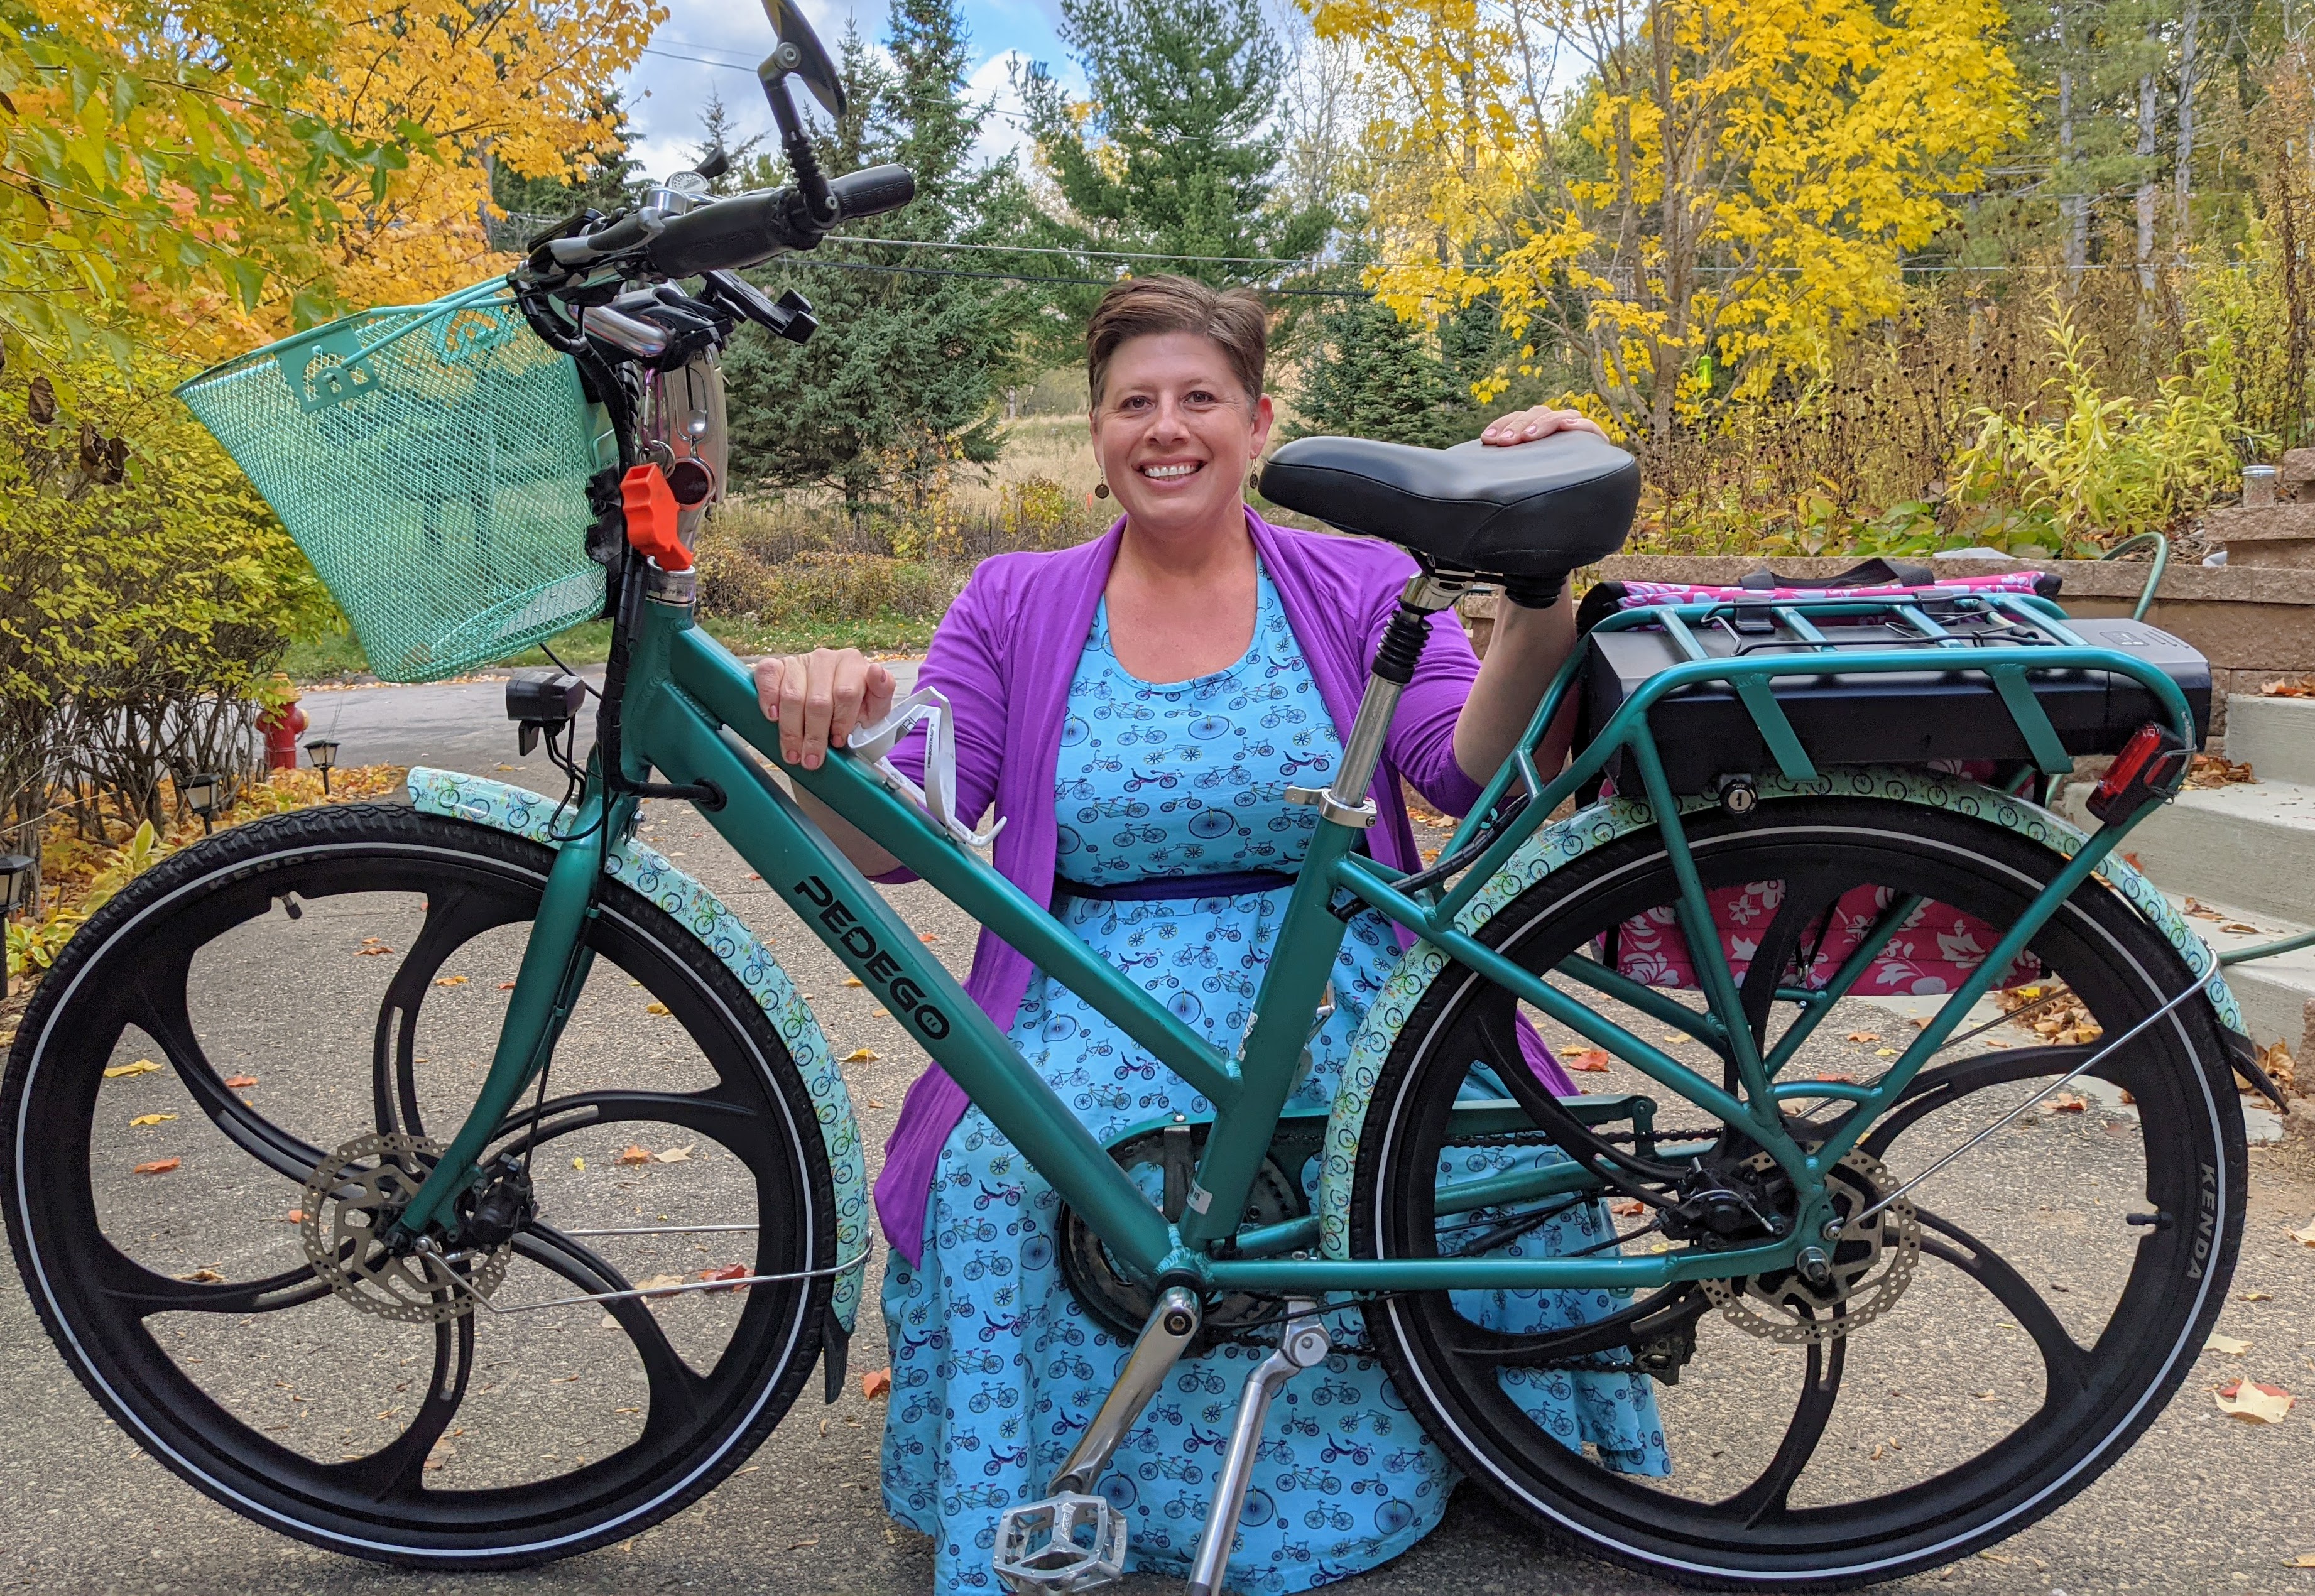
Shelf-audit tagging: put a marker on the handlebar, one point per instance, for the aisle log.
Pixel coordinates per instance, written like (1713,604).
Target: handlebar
(751,228)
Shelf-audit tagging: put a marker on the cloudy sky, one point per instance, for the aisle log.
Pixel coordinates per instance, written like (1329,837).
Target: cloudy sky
(705,45)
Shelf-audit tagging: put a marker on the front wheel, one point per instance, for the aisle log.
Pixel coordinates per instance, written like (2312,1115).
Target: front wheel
(328,986)
(1971,1360)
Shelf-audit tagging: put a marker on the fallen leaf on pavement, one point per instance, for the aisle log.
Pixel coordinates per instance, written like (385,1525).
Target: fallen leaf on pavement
(2306,1237)
(2255,1404)
(730,1272)
(655,1008)
(451,981)
(2066,1104)
(635,1154)
(2257,1297)
(506,986)
(2203,911)
(658,1285)
(152,1119)
(860,1056)
(297,1216)
(927,936)
(1885,1052)
(2239,929)
(2233,1346)
(1833,1075)
(2303,1560)
(1629,1209)
(142,1067)
(1586,1059)
(201,1277)
(372,951)
(875,1383)
(2281,1069)
(1864,1036)
(240,1083)
(157,1167)
(854,980)
(800,1545)
(578,1162)
(681,1154)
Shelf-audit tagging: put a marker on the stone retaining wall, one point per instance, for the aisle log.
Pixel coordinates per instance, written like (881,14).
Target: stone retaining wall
(2255,625)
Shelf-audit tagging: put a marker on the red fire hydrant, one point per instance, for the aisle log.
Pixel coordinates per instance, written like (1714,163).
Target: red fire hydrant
(282,724)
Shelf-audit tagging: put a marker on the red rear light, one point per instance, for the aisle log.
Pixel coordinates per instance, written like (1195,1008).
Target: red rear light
(2151,762)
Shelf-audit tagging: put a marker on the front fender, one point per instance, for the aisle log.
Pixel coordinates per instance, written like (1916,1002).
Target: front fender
(523,814)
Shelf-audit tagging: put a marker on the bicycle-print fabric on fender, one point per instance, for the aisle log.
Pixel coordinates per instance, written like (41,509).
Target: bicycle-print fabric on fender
(524,814)
(996,1367)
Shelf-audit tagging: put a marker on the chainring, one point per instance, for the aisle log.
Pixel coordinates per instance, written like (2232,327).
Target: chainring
(350,1198)
(1873,1262)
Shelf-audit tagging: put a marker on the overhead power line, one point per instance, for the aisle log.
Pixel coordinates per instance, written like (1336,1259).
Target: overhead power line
(1084,282)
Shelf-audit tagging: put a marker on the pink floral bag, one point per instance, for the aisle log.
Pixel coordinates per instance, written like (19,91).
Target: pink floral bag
(1938,947)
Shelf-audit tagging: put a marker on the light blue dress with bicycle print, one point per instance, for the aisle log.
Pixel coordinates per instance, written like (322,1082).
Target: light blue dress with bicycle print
(996,1370)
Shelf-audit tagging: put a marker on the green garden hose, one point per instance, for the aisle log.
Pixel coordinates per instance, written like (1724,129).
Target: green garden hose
(2154,577)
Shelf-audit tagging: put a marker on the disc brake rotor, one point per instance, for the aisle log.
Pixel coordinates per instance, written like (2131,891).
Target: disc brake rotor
(351,1198)
(1871,1265)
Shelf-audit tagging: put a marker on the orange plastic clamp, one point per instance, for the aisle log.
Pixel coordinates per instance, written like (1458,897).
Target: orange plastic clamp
(651,518)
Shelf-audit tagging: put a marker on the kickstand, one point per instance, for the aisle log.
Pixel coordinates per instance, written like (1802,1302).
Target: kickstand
(1304,1345)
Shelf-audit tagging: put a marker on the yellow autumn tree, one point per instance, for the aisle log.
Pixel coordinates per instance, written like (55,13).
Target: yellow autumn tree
(1687,197)
(459,85)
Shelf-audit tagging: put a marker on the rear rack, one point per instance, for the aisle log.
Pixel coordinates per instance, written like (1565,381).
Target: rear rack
(2000,637)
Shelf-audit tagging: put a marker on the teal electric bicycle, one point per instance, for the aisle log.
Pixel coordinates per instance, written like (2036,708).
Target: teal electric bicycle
(463,1185)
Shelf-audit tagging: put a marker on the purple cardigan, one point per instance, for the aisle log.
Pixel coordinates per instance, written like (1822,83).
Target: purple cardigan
(1005,655)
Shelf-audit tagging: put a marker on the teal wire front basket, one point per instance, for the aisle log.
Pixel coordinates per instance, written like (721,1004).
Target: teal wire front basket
(432,462)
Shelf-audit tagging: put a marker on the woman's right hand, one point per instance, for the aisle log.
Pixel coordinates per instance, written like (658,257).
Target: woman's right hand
(820,697)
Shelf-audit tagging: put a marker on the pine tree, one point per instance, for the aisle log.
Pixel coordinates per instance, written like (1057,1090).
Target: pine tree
(902,381)
(1367,374)
(1178,151)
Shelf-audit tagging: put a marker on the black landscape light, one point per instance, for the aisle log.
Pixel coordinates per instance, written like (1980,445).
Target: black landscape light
(15,876)
(205,796)
(323,752)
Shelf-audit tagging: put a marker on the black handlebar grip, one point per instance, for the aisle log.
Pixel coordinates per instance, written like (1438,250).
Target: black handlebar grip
(872,191)
(726,236)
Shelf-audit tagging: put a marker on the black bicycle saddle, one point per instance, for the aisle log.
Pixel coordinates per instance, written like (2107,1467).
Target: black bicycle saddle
(1533,510)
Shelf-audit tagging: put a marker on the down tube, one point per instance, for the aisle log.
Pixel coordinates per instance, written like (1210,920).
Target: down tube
(847,913)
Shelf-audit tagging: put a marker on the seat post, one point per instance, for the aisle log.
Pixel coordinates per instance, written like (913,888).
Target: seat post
(1345,801)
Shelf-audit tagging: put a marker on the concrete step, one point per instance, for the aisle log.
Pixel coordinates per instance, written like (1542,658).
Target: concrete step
(2275,736)
(2250,844)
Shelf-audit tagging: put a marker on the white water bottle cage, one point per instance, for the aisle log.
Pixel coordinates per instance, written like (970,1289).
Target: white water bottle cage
(937,797)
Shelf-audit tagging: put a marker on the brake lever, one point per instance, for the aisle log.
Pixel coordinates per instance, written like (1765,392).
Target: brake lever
(790,317)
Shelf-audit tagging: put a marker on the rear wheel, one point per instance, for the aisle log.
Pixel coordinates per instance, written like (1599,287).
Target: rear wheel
(1968,1366)
(199,1050)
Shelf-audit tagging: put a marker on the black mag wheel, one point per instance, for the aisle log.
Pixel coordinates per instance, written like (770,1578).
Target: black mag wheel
(198,1050)
(1964,1369)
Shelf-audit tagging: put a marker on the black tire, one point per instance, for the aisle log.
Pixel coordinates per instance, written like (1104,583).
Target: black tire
(459,1476)
(1840,1501)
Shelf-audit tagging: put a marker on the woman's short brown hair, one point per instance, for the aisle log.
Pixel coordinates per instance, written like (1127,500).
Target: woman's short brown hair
(1142,307)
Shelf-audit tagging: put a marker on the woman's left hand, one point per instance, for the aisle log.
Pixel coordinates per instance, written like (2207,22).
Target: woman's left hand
(1525,426)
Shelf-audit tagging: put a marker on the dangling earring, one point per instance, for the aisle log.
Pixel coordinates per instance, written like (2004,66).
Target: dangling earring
(1254,480)
(1100,489)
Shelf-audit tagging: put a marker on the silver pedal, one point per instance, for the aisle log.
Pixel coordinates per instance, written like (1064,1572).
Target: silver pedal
(1063,1542)
(1304,1345)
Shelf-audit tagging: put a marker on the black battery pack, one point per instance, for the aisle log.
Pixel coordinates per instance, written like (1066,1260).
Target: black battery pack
(1704,732)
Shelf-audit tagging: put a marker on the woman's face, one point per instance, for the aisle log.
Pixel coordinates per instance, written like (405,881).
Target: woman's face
(1175,432)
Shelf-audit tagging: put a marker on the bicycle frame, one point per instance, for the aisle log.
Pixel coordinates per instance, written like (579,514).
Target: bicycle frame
(688,708)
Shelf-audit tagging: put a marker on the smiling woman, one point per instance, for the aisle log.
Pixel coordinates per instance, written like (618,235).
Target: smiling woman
(1137,708)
